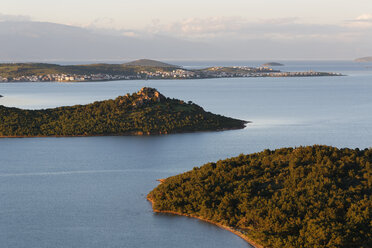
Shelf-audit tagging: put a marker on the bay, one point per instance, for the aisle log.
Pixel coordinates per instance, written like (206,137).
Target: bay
(90,192)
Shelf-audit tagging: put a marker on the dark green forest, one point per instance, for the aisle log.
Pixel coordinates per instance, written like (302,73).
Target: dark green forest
(315,196)
(145,112)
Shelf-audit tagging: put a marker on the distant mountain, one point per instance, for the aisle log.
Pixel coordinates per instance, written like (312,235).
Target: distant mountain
(150,63)
(29,41)
(364,59)
(43,41)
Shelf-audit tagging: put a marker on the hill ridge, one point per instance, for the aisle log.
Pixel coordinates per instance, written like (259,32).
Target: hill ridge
(146,112)
(149,63)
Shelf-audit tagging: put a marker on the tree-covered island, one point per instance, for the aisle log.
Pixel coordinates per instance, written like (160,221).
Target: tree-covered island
(143,113)
(307,197)
(139,69)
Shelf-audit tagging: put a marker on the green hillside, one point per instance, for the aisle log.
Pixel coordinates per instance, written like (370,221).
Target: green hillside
(145,112)
(316,196)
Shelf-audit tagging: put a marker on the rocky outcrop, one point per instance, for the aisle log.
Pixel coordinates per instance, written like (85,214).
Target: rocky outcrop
(146,95)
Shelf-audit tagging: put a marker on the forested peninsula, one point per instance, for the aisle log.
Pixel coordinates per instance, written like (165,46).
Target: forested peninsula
(143,113)
(315,196)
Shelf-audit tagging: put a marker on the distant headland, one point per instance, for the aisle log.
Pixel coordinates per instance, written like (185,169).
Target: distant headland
(364,59)
(142,69)
(272,64)
(145,112)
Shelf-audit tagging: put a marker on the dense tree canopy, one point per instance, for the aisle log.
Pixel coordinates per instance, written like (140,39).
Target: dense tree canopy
(144,112)
(316,196)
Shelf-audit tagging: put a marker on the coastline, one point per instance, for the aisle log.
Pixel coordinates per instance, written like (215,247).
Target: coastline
(149,79)
(121,134)
(230,229)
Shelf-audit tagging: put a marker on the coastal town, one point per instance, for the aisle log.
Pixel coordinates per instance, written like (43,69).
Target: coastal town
(67,78)
(174,74)
(163,73)
(244,71)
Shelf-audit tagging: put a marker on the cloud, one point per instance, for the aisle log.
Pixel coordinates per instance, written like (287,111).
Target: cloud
(228,29)
(364,18)
(242,29)
(17,18)
(209,38)
(362,21)
(199,26)
(281,38)
(100,26)
(102,22)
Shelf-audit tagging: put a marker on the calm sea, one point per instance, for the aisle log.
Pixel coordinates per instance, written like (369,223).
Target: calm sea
(90,192)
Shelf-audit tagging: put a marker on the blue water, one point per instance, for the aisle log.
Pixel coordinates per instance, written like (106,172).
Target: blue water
(90,192)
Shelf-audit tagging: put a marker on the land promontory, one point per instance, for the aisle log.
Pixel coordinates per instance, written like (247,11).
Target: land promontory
(145,112)
(364,59)
(315,196)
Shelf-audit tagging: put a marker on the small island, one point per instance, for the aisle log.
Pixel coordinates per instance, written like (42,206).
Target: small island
(142,69)
(272,64)
(364,59)
(146,112)
(315,196)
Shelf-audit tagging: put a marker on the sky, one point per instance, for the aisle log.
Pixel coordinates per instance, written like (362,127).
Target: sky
(317,22)
(142,13)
